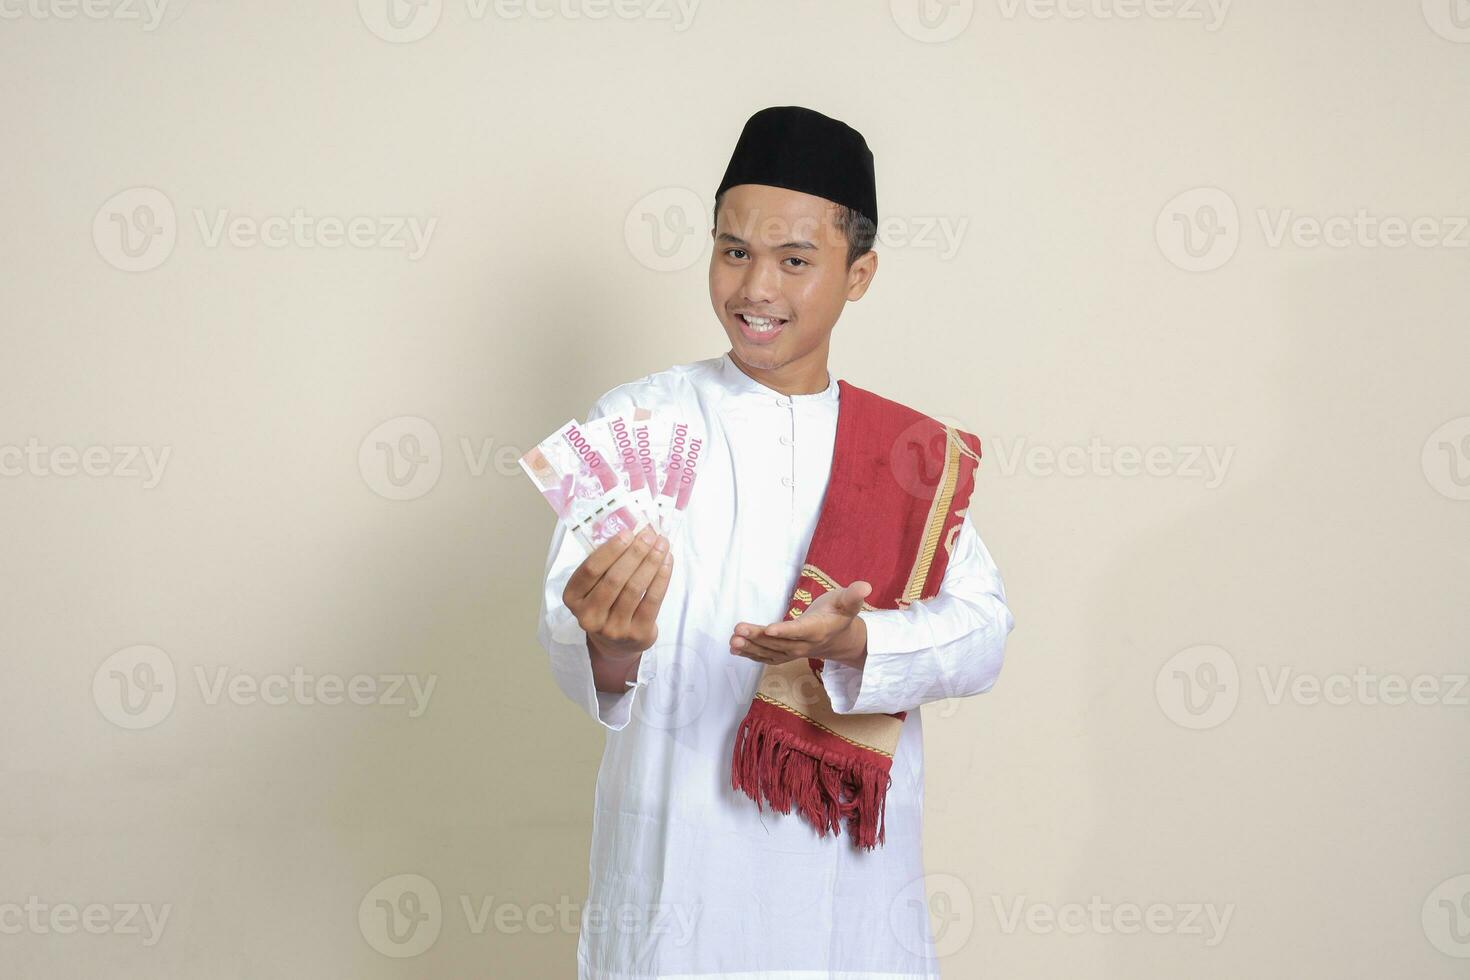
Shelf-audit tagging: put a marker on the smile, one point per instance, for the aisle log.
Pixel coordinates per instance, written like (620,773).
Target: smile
(759,329)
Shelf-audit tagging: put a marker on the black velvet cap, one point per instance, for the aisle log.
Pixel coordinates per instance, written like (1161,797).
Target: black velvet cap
(802,150)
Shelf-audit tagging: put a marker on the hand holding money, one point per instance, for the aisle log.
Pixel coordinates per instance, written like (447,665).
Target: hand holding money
(620,484)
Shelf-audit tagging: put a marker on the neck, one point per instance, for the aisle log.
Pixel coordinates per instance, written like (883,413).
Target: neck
(803,376)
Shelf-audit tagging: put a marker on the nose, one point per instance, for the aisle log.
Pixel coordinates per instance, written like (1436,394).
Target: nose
(761,284)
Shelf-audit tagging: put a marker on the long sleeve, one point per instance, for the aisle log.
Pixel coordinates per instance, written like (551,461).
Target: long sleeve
(565,641)
(949,646)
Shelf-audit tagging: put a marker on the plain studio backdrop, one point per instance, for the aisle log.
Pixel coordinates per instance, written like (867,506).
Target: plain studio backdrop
(288,288)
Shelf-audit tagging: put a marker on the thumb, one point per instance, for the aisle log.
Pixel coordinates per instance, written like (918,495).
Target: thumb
(850,600)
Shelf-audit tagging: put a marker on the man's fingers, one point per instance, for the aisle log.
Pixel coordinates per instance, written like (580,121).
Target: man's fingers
(790,629)
(594,565)
(637,584)
(657,589)
(757,650)
(850,599)
(781,645)
(606,591)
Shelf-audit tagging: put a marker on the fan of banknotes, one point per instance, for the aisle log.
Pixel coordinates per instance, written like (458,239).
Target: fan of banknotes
(620,472)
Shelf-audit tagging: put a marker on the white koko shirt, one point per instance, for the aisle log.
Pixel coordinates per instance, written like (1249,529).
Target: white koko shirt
(688,878)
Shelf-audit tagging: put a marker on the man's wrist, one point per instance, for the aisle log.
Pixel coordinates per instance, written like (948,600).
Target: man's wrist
(852,648)
(612,671)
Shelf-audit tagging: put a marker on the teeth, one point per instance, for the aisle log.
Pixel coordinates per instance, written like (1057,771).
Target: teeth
(759,324)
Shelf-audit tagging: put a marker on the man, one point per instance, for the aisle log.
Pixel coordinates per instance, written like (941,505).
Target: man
(742,635)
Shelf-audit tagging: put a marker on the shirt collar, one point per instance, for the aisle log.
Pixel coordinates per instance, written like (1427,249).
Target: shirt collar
(738,382)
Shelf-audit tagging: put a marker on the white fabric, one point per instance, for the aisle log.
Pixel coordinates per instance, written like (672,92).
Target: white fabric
(687,877)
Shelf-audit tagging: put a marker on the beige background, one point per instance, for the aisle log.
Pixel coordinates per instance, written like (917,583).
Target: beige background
(1065,156)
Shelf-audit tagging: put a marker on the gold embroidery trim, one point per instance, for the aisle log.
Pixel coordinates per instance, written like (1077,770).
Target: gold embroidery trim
(827,583)
(820,577)
(965,448)
(937,515)
(850,741)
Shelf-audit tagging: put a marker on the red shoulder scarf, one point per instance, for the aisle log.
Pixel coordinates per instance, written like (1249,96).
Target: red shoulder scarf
(898,488)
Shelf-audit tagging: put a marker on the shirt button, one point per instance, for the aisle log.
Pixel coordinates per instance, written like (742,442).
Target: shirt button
(784,402)
(785,440)
(786,481)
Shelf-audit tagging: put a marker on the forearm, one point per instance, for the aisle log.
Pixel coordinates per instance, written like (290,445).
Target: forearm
(948,646)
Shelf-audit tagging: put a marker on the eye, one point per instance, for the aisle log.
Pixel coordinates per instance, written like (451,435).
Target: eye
(792,258)
(731,252)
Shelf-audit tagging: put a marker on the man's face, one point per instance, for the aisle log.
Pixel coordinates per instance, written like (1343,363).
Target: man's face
(778,254)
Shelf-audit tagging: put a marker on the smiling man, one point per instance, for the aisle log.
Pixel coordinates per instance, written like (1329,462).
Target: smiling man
(759,676)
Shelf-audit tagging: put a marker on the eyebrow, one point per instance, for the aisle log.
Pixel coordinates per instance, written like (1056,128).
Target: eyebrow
(725,236)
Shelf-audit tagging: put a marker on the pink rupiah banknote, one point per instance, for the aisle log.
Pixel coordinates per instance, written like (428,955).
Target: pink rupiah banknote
(670,462)
(684,449)
(630,450)
(575,471)
(640,425)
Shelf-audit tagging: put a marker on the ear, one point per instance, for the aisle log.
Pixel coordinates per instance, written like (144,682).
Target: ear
(860,276)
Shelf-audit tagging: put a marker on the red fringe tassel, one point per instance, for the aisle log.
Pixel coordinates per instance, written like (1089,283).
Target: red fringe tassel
(773,762)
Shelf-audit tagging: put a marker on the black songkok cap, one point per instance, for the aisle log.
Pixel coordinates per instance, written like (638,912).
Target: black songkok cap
(802,150)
